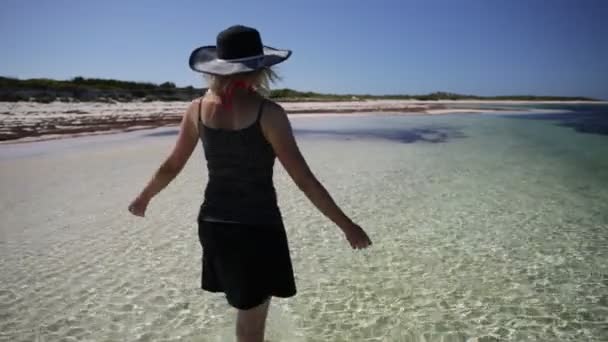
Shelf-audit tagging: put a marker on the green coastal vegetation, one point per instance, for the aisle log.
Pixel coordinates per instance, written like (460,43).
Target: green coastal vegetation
(80,89)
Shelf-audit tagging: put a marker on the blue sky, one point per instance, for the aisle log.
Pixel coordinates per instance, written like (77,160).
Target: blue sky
(485,47)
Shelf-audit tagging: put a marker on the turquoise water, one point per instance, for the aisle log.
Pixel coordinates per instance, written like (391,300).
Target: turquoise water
(485,227)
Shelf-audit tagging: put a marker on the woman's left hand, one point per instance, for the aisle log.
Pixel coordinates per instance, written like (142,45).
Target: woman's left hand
(138,206)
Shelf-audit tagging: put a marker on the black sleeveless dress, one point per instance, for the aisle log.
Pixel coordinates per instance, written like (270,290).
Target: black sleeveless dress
(245,248)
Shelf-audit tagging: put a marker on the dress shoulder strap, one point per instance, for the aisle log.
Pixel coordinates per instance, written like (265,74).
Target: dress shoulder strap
(199,118)
(260,110)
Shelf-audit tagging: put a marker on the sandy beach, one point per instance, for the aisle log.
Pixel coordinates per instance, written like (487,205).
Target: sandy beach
(30,121)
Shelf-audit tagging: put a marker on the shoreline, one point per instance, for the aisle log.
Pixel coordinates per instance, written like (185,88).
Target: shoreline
(25,122)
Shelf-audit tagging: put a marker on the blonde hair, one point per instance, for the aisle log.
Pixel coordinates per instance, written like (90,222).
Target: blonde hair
(260,80)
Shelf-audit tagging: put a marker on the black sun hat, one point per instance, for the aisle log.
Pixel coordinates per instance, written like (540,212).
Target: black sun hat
(239,49)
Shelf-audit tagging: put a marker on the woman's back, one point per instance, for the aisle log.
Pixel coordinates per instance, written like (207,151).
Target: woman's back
(240,163)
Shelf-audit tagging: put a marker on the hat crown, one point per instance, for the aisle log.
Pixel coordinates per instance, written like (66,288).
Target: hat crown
(239,42)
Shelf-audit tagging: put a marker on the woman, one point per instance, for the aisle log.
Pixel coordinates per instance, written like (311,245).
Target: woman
(245,249)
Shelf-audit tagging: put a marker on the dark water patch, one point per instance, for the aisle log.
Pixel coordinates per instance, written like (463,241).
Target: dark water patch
(402,135)
(434,134)
(592,125)
(75,111)
(584,119)
(162,133)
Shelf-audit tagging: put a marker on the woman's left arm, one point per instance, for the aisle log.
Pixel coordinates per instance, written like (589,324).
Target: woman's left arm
(171,167)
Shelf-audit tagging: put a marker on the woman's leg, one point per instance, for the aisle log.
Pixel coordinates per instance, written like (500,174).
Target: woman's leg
(250,324)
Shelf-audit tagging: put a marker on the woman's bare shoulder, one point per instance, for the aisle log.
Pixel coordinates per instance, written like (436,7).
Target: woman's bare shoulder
(274,120)
(274,109)
(200,104)
(194,105)
(192,113)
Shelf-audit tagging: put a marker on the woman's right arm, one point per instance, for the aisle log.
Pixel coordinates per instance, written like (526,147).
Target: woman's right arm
(277,130)
(172,166)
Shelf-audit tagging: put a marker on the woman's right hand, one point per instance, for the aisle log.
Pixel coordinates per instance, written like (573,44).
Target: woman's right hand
(356,236)
(138,206)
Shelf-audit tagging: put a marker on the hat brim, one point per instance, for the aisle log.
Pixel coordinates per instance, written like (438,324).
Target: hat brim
(204,59)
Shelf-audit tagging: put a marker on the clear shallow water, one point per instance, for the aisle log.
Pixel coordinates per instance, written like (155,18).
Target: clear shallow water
(485,227)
